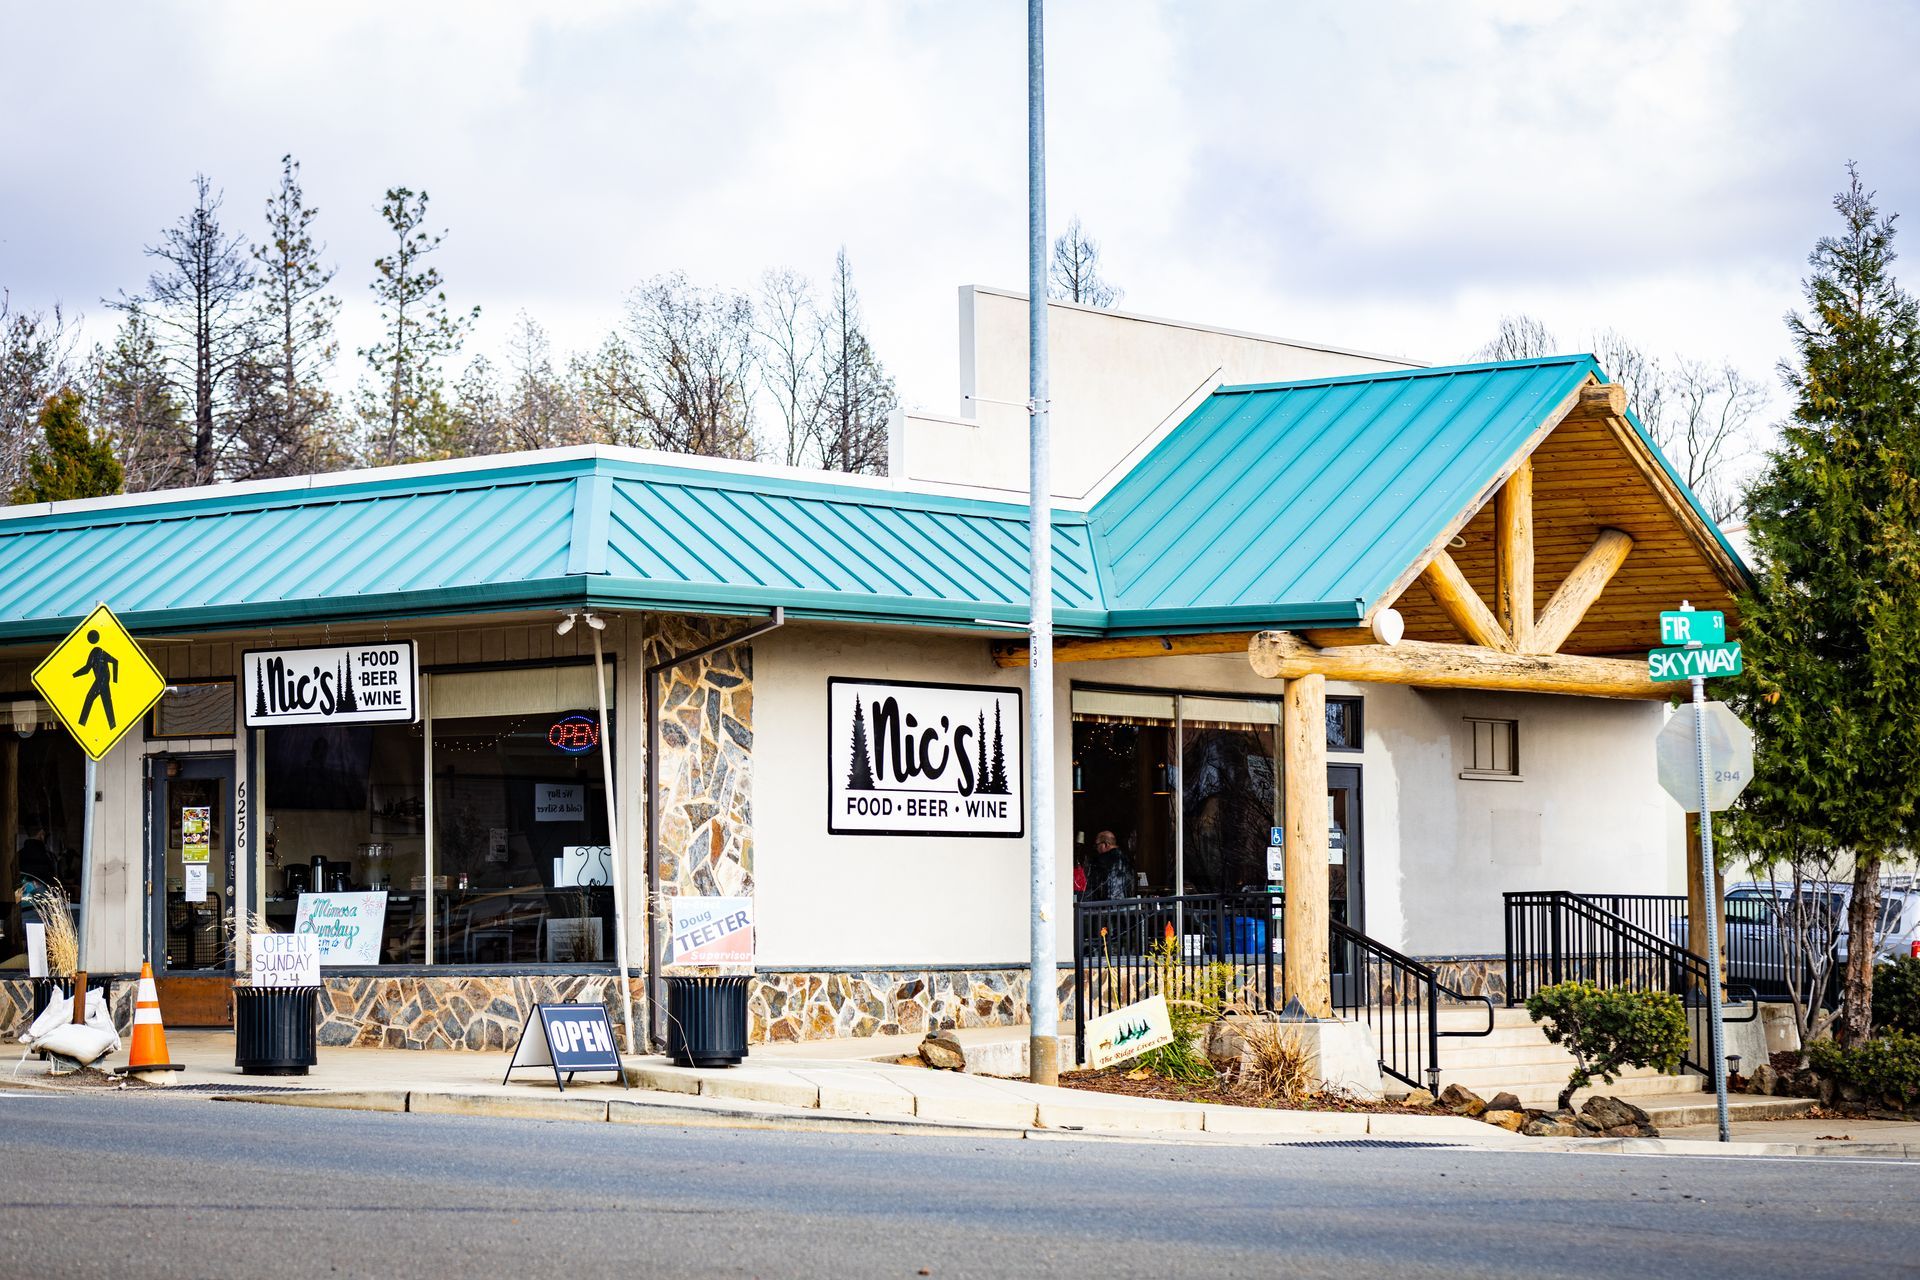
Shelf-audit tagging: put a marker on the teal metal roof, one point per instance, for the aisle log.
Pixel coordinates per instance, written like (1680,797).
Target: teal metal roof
(1307,500)
(1293,504)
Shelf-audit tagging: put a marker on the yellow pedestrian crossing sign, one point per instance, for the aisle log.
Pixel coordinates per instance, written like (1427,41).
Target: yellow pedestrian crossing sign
(99,682)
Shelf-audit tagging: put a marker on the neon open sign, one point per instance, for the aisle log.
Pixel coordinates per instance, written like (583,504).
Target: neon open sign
(575,735)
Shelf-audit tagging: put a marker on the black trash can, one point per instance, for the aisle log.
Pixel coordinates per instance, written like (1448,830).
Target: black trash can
(275,1030)
(707,1021)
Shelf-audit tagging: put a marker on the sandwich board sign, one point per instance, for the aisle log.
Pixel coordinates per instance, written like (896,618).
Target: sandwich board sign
(570,1038)
(99,682)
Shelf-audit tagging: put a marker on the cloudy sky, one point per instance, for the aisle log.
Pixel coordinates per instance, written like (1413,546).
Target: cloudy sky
(1389,177)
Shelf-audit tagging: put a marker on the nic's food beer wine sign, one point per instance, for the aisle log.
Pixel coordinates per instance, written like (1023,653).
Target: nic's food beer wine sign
(908,759)
(343,684)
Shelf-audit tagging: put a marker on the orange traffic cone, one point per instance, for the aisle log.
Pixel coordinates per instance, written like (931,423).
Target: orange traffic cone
(148,1061)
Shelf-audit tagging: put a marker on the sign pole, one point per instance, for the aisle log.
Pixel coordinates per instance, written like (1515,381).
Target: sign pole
(1711,901)
(1043,1048)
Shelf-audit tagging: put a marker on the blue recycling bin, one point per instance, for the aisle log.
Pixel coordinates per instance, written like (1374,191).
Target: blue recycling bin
(1246,935)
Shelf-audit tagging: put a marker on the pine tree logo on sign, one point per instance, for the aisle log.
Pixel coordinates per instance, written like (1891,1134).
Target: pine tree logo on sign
(907,758)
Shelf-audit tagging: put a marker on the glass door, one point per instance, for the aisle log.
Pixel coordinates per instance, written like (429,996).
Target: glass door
(190,882)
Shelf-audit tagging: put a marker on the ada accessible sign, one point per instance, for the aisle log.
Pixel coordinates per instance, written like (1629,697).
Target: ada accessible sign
(346,927)
(1729,757)
(712,931)
(1128,1032)
(912,759)
(98,682)
(284,960)
(344,684)
(1701,660)
(571,1037)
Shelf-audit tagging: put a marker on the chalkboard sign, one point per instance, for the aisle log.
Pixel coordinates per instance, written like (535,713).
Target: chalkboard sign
(569,1038)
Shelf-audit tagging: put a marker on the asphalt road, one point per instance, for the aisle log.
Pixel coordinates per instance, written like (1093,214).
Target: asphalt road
(149,1188)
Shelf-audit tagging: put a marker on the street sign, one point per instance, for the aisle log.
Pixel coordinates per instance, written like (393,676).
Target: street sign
(1729,757)
(99,682)
(1693,626)
(1702,660)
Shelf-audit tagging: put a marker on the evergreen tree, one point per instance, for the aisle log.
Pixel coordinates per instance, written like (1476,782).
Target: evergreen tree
(290,407)
(981,778)
(856,395)
(1835,521)
(134,403)
(997,782)
(860,776)
(71,461)
(402,406)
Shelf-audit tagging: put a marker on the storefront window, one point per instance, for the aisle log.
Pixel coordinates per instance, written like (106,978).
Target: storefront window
(522,857)
(346,810)
(42,806)
(1124,769)
(1229,801)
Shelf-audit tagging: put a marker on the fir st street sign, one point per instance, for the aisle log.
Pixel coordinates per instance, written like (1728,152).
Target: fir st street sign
(1729,757)
(1707,660)
(1693,626)
(99,682)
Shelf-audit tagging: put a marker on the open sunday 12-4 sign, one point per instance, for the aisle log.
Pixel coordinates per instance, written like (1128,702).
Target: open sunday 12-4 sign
(340,684)
(906,758)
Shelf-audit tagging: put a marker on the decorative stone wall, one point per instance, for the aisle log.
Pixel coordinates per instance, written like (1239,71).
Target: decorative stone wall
(785,1007)
(1473,975)
(452,1013)
(16,1004)
(705,776)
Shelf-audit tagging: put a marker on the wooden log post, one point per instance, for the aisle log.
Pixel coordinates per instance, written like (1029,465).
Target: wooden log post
(1698,911)
(1304,927)
(1281,655)
(1513,557)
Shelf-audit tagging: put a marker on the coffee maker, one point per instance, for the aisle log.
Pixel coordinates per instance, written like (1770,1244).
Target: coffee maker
(296,880)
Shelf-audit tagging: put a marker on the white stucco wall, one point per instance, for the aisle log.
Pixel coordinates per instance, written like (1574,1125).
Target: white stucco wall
(1439,850)
(1116,377)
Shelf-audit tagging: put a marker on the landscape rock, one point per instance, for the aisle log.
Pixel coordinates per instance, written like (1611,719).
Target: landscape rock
(1418,1098)
(1764,1080)
(1504,1101)
(942,1052)
(1549,1127)
(1609,1113)
(1462,1101)
(1507,1118)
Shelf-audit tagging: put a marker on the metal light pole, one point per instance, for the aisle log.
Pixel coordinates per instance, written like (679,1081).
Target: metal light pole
(1710,902)
(1043,1050)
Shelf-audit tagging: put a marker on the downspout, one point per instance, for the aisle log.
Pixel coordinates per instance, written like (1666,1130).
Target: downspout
(655,1009)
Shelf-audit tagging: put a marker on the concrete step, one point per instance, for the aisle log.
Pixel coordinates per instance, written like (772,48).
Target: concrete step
(1671,1113)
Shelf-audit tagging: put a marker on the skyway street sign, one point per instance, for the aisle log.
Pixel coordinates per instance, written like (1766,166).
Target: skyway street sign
(1690,626)
(1703,660)
(99,682)
(1729,757)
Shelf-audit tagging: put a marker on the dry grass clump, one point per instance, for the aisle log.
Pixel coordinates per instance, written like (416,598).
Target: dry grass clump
(63,944)
(1276,1066)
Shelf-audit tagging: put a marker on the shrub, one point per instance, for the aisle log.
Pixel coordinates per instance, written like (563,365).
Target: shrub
(1278,1066)
(1195,998)
(1896,996)
(1607,1030)
(1885,1068)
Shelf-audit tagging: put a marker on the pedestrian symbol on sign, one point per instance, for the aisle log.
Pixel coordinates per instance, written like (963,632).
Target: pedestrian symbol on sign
(105,669)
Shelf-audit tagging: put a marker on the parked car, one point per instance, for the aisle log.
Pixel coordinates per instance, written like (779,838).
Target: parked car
(1757,926)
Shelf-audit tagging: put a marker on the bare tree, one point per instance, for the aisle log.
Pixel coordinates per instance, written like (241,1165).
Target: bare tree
(1519,337)
(480,419)
(541,411)
(134,402)
(200,306)
(1641,375)
(1074,274)
(790,346)
(857,396)
(610,396)
(1706,430)
(694,353)
(36,360)
(288,402)
(403,409)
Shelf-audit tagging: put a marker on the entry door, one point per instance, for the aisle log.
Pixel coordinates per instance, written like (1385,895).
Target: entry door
(1344,897)
(190,869)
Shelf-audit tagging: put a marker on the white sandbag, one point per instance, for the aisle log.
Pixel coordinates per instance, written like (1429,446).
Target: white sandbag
(59,1013)
(84,1043)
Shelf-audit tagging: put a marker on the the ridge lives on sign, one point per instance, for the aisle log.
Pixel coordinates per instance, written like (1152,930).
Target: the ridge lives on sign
(906,758)
(343,684)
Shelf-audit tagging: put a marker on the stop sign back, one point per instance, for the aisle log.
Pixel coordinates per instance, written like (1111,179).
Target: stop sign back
(1729,757)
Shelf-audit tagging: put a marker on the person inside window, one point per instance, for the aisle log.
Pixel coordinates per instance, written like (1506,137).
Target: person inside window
(1110,872)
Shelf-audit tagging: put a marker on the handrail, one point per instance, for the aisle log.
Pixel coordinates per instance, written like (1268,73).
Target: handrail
(1409,1044)
(1555,936)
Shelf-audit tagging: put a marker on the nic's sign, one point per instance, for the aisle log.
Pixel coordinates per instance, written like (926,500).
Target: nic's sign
(344,684)
(909,759)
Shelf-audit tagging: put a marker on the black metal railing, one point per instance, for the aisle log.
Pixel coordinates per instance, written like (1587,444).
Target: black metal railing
(1121,954)
(1119,945)
(1400,998)
(1756,941)
(1554,936)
